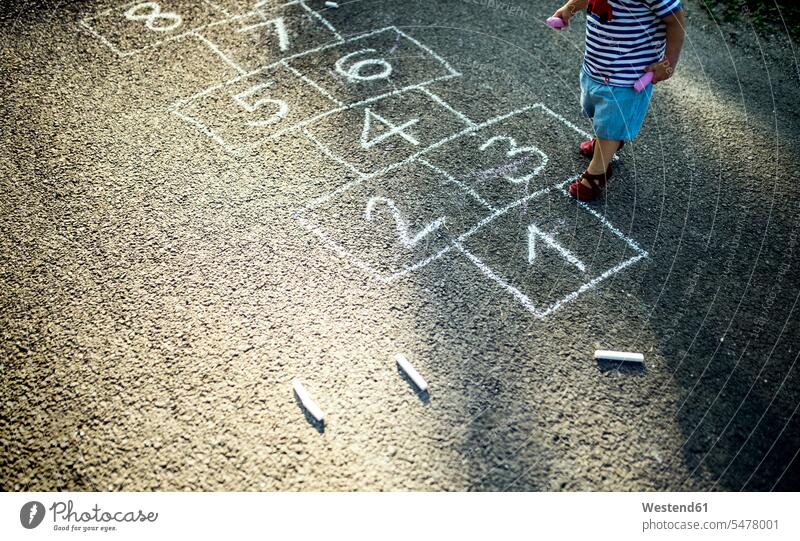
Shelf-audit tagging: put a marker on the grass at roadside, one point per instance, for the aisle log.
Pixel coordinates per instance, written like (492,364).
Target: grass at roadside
(765,15)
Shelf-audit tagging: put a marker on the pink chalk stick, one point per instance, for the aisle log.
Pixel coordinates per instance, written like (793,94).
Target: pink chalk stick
(555,22)
(642,83)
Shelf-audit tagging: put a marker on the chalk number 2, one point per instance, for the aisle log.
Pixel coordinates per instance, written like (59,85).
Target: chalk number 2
(400,224)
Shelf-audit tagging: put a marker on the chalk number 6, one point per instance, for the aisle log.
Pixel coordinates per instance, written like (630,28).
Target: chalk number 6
(359,71)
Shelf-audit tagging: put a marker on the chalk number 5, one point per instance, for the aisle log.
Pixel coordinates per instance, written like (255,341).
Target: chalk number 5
(252,104)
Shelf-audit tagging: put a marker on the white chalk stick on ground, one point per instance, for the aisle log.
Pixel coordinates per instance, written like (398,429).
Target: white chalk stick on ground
(307,401)
(411,372)
(619,356)
(331,5)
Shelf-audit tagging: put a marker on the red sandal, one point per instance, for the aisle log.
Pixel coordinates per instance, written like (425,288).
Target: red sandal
(587,147)
(581,192)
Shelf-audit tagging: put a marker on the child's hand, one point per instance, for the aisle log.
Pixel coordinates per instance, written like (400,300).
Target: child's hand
(566,12)
(663,70)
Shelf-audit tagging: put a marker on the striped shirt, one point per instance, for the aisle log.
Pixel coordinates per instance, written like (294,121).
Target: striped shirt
(623,37)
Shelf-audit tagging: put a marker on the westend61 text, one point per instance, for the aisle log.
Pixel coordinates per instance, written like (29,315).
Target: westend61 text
(694,507)
(63,511)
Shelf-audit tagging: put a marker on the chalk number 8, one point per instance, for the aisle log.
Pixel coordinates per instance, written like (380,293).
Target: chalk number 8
(169,21)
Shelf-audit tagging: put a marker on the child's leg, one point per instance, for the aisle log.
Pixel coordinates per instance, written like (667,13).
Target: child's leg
(604,151)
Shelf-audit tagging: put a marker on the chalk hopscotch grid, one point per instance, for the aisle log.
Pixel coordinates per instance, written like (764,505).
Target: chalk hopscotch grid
(591,284)
(307,223)
(192,32)
(361,177)
(196,31)
(240,149)
(538,312)
(472,127)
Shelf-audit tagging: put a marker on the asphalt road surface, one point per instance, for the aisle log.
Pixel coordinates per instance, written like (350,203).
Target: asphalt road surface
(200,204)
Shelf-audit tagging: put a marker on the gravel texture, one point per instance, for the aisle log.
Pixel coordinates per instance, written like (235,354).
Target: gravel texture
(159,294)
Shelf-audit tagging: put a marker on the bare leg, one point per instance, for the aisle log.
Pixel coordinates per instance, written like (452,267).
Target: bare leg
(604,151)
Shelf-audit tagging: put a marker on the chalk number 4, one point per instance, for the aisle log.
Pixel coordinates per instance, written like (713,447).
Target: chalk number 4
(392,129)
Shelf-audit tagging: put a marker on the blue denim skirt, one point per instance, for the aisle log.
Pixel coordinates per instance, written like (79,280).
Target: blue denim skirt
(617,112)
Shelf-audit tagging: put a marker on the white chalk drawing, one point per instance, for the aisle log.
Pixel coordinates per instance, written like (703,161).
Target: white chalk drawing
(435,97)
(261,36)
(321,19)
(155,24)
(179,108)
(305,214)
(475,195)
(171,26)
(345,254)
(243,115)
(402,227)
(217,51)
(367,143)
(535,233)
(472,127)
(356,69)
(282,108)
(320,89)
(153,15)
(436,126)
(544,311)
(513,151)
(354,72)
(280,30)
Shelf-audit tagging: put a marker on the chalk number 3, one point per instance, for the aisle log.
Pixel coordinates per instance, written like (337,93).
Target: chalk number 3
(513,150)
(154,19)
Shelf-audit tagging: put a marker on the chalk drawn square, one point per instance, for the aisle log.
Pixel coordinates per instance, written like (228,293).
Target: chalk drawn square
(374,64)
(262,37)
(395,224)
(246,111)
(375,137)
(516,154)
(237,7)
(138,26)
(546,249)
